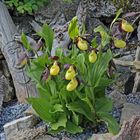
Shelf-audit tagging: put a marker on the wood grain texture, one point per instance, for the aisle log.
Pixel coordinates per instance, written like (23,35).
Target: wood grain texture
(11,51)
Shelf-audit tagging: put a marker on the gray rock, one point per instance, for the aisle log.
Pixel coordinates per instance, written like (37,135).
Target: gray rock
(8,90)
(138,32)
(32,134)
(65,138)
(118,99)
(57,8)
(92,23)
(13,127)
(5,68)
(130,130)
(1,56)
(2,136)
(102,8)
(6,87)
(46,137)
(134,5)
(30,111)
(1,91)
(128,111)
(128,57)
(106,136)
(1,70)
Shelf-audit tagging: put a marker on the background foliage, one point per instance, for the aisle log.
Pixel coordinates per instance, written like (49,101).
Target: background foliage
(28,6)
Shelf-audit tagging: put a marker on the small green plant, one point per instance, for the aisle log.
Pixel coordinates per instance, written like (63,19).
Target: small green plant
(72,87)
(28,6)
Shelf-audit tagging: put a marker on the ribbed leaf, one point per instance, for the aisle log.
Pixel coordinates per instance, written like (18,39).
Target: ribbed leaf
(81,107)
(61,122)
(111,123)
(42,107)
(73,30)
(72,128)
(103,105)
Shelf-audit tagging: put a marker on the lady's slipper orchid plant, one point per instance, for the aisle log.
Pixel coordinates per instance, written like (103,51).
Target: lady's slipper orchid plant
(73,96)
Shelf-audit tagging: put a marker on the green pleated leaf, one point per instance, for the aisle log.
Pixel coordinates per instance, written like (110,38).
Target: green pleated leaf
(83,108)
(72,128)
(48,35)
(103,105)
(42,107)
(111,123)
(61,122)
(73,30)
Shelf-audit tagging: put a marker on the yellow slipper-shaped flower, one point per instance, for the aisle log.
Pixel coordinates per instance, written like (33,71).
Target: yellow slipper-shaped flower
(55,69)
(127,27)
(72,85)
(92,56)
(82,44)
(70,73)
(119,43)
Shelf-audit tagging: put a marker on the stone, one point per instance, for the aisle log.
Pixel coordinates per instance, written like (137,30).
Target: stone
(128,111)
(106,136)
(138,32)
(6,71)
(6,86)
(8,90)
(30,111)
(65,138)
(130,130)
(46,137)
(128,57)
(102,8)
(32,134)
(1,91)
(117,98)
(13,127)
(2,136)
(134,5)
(1,56)
(53,10)
(129,83)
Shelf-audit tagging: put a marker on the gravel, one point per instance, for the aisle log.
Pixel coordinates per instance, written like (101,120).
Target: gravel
(11,113)
(2,136)
(133,98)
(117,113)
(81,136)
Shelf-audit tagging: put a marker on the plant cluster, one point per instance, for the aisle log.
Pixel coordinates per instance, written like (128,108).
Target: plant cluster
(28,6)
(72,87)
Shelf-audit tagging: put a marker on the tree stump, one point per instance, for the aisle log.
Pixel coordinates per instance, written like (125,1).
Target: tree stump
(11,50)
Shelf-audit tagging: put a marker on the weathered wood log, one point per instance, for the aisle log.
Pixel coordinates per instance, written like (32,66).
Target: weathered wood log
(11,51)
